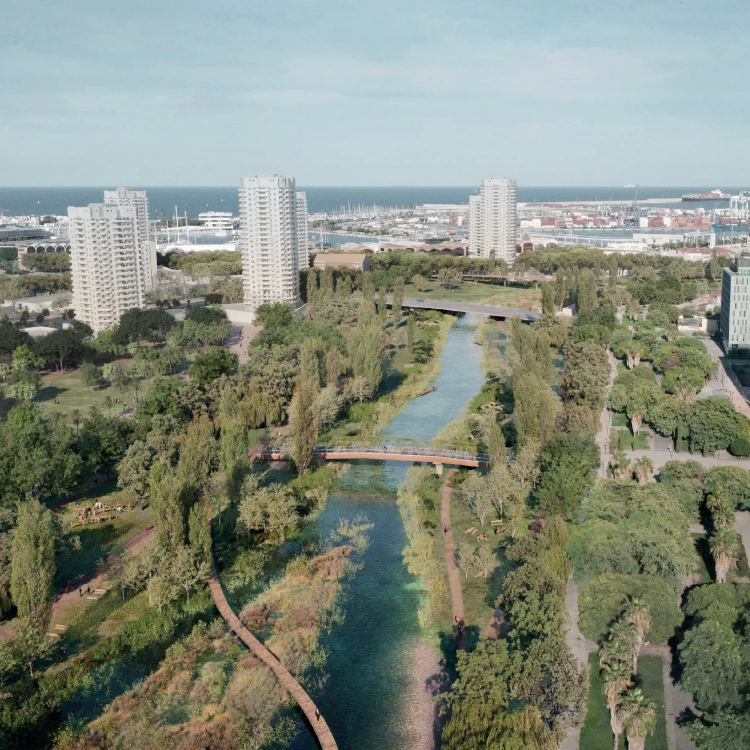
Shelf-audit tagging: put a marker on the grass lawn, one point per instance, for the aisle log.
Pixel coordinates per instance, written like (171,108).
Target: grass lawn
(619,419)
(596,733)
(511,296)
(705,568)
(627,441)
(71,393)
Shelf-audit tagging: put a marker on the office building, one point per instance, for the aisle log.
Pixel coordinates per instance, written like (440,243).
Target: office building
(492,220)
(106,260)
(735,308)
(273,239)
(137,199)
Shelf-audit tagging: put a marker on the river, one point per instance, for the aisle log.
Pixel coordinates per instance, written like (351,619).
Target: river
(375,698)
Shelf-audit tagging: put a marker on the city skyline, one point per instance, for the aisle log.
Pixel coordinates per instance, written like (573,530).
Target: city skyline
(425,94)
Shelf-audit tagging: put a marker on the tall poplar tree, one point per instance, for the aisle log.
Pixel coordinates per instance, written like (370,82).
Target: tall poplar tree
(398,301)
(32,575)
(304,424)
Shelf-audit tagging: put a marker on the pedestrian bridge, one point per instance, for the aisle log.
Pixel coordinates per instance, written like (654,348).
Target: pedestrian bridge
(387,451)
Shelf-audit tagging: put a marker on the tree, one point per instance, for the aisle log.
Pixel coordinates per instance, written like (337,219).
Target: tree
(724,544)
(32,575)
(536,406)
(465,560)
(133,471)
(603,600)
(548,298)
(410,326)
(711,656)
(90,374)
(617,679)
(274,315)
(420,282)
(586,291)
(211,364)
(398,301)
(271,509)
(450,278)
(643,469)
(61,345)
(304,421)
(477,498)
(566,462)
(485,560)
(714,269)
(637,614)
(638,717)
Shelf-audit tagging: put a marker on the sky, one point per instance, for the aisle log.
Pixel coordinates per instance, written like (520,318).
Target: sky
(387,92)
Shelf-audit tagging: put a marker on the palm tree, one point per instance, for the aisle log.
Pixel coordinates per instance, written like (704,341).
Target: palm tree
(94,411)
(627,633)
(643,469)
(725,547)
(638,717)
(620,465)
(722,511)
(57,418)
(616,677)
(108,403)
(614,650)
(637,614)
(75,415)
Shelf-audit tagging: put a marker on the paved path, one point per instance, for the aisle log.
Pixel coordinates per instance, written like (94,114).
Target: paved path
(581,648)
(605,421)
(242,334)
(454,574)
(314,717)
(742,527)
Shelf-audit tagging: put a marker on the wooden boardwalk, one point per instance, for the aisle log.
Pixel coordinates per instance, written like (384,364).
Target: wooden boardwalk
(314,717)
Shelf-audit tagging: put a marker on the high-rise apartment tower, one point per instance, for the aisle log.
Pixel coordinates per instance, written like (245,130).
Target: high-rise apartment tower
(273,236)
(735,307)
(106,262)
(492,220)
(138,200)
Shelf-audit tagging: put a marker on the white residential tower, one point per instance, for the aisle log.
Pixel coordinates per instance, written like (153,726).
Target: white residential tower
(106,263)
(492,220)
(138,200)
(273,238)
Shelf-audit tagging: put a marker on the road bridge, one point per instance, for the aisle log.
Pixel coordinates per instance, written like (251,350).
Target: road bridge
(414,453)
(491,311)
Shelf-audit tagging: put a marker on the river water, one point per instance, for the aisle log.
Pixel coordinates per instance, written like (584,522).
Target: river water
(372,698)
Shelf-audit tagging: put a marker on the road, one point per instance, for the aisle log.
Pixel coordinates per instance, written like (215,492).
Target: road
(493,311)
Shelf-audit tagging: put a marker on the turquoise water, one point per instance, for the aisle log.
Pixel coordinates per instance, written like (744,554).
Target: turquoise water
(369,699)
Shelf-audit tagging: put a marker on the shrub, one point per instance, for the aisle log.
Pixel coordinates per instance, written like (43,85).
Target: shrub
(740,447)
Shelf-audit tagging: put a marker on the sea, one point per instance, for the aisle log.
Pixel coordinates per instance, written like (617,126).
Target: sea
(24,201)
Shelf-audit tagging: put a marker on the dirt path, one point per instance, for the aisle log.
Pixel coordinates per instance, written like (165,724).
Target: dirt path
(454,574)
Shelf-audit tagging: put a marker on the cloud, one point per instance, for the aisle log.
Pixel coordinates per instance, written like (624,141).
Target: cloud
(289,97)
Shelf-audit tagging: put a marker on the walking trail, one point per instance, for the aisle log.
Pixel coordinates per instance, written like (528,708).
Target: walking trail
(314,717)
(454,575)
(581,648)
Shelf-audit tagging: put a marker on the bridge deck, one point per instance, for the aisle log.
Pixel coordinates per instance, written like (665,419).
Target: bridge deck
(493,311)
(387,453)
(314,717)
